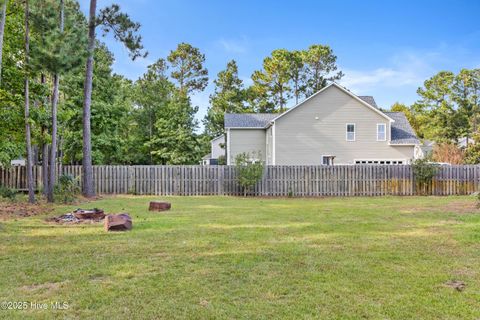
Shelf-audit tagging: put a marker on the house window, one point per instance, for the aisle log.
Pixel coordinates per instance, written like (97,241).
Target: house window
(327,160)
(350,131)
(379,162)
(381,132)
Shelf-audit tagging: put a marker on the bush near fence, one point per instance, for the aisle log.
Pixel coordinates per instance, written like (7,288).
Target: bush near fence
(305,181)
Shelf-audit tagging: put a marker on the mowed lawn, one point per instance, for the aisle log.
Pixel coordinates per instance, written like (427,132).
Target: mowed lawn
(251,258)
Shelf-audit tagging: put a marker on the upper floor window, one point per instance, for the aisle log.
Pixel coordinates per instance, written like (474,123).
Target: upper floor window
(350,131)
(381,132)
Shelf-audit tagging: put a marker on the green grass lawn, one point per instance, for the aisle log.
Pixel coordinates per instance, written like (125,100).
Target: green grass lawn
(226,257)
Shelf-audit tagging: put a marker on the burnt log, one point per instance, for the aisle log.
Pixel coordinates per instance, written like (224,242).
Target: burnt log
(93,214)
(118,222)
(159,206)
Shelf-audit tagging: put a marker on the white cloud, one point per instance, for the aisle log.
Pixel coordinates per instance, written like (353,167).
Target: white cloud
(234,45)
(406,69)
(362,80)
(400,76)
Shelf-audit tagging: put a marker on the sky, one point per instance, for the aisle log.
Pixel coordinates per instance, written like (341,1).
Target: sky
(386,49)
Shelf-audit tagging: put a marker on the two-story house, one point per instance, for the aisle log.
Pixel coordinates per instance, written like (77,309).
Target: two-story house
(333,126)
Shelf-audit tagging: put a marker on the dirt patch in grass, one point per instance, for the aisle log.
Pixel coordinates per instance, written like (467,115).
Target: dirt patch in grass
(459,207)
(21,209)
(43,287)
(204,303)
(17,210)
(456,284)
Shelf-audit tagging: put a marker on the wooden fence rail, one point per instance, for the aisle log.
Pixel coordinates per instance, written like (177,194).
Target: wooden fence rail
(343,180)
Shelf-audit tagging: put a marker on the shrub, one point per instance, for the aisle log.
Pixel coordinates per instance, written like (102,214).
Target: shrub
(472,152)
(447,152)
(8,193)
(222,160)
(423,172)
(249,170)
(67,188)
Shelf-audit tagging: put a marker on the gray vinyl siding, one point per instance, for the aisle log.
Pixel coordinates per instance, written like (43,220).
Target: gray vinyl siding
(216,146)
(246,140)
(302,139)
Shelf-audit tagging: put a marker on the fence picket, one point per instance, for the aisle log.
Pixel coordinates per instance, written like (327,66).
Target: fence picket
(342,180)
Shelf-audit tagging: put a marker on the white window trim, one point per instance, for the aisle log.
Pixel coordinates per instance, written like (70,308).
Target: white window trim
(384,132)
(327,156)
(354,132)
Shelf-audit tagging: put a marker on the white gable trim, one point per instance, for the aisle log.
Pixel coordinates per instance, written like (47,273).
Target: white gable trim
(342,89)
(220,136)
(273,144)
(228,147)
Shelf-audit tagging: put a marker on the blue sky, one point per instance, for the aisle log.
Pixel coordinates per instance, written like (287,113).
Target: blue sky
(385,48)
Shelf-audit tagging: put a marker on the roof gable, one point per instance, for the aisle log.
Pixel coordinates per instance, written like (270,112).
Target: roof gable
(334,84)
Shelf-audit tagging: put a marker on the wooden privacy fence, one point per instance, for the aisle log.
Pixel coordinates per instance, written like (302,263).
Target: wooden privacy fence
(342,180)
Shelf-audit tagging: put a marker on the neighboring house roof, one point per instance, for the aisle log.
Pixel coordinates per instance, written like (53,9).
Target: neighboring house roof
(401,132)
(207,156)
(248,120)
(370,100)
(462,142)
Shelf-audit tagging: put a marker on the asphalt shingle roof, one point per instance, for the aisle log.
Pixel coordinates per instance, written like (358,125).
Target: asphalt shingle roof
(248,120)
(402,132)
(370,100)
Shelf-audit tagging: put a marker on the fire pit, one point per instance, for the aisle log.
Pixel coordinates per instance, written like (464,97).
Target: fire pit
(80,216)
(93,214)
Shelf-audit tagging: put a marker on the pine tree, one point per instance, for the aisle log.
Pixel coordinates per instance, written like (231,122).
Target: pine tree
(296,73)
(31,194)
(3,18)
(55,52)
(187,68)
(275,78)
(320,63)
(228,97)
(124,30)
(53,148)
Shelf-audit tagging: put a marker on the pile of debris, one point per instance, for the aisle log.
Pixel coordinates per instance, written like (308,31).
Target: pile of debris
(112,222)
(80,216)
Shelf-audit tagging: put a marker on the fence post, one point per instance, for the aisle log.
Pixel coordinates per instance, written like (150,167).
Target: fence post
(131,180)
(220,178)
(176,180)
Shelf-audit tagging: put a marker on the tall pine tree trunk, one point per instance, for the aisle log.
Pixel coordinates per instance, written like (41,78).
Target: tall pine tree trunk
(53,149)
(31,195)
(44,148)
(45,166)
(3,17)
(88,187)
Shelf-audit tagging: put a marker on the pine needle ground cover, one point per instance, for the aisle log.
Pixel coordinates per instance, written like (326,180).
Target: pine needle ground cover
(228,257)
